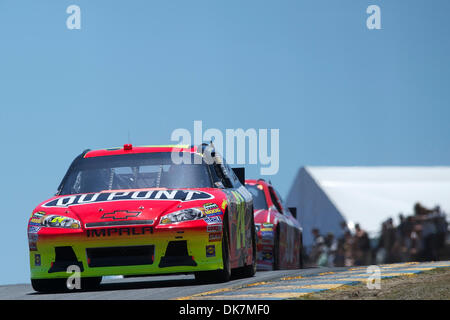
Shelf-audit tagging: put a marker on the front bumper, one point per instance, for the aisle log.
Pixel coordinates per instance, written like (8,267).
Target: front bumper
(142,250)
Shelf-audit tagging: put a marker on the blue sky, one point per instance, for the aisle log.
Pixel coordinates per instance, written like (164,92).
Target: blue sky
(339,93)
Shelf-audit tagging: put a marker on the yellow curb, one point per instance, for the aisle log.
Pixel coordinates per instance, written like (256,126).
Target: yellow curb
(351,279)
(396,274)
(256,284)
(283,295)
(296,287)
(323,286)
(194,296)
(419,268)
(325,273)
(291,278)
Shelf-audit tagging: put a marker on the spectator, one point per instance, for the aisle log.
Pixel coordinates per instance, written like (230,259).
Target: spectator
(332,248)
(362,247)
(349,250)
(418,237)
(319,249)
(416,249)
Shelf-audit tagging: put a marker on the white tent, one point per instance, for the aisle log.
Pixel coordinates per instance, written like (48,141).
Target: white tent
(326,196)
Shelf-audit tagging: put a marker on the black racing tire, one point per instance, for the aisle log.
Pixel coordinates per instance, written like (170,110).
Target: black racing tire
(276,250)
(221,275)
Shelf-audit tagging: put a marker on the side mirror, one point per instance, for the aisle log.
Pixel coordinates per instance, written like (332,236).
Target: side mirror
(293,211)
(240,174)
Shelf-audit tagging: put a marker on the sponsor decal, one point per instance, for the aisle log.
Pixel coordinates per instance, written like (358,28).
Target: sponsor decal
(267,234)
(211,210)
(120,215)
(33,229)
(214,228)
(212,213)
(37,260)
(267,256)
(95,233)
(210,206)
(178,195)
(210,251)
(35,221)
(216,236)
(38,214)
(224,204)
(32,241)
(212,220)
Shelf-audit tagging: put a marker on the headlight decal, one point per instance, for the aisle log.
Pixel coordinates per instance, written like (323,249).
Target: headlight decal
(183,215)
(209,212)
(55,221)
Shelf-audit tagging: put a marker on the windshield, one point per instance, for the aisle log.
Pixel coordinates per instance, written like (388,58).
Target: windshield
(135,171)
(259,199)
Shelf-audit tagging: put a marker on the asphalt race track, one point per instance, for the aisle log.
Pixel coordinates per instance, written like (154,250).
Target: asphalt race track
(282,284)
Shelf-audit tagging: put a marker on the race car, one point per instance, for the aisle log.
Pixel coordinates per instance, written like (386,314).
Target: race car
(141,211)
(279,235)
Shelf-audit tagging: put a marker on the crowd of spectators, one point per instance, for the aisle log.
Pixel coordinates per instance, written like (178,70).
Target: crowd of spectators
(422,236)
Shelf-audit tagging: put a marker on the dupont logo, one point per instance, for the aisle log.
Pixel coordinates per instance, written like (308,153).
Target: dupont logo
(120,215)
(144,195)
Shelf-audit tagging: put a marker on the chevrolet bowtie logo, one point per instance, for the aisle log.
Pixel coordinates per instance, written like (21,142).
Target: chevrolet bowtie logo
(120,215)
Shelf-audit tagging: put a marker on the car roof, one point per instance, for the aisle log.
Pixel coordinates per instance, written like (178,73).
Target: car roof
(130,149)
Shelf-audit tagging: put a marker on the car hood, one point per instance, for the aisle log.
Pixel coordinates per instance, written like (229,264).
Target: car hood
(121,207)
